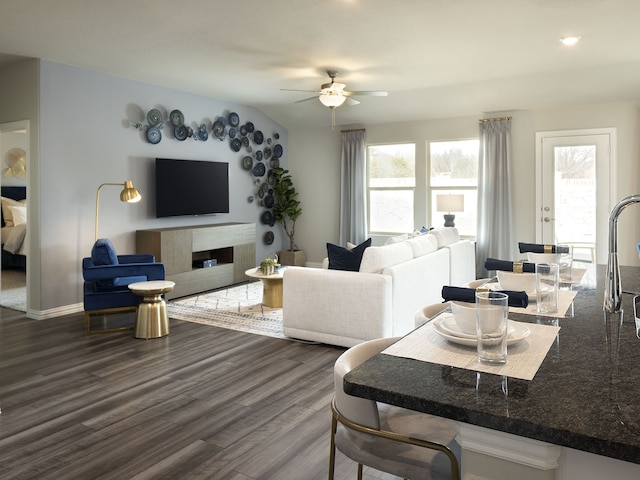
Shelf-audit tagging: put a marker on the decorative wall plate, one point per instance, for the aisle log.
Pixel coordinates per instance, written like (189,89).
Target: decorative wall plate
(268,201)
(153,135)
(243,130)
(218,128)
(245,141)
(202,133)
(269,237)
(259,155)
(258,138)
(274,162)
(266,217)
(176,118)
(277,150)
(259,169)
(180,132)
(234,119)
(247,163)
(154,117)
(236,144)
(232,132)
(250,127)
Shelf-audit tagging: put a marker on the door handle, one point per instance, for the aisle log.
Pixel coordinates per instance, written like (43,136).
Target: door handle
(547,219)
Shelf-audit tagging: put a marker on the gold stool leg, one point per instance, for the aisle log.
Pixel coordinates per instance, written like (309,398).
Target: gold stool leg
(152,320)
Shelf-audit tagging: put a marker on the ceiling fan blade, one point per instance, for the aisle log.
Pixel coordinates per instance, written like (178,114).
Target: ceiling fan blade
(294,90)
(371,93)
(305,99)
(352,101)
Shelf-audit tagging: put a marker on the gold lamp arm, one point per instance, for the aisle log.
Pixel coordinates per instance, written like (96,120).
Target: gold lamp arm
(128,194)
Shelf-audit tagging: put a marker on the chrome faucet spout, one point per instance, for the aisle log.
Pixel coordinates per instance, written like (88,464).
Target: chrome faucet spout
(613,287)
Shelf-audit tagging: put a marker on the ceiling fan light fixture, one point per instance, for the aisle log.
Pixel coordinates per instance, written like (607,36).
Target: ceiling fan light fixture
(332,100)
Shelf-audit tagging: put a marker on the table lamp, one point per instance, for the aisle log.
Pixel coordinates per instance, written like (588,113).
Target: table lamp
(450,203)
(128,194)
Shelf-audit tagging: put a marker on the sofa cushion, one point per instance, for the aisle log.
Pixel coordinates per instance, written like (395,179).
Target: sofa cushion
(397,239)
(423,244)
(341,258)
(376,259)
(445,235)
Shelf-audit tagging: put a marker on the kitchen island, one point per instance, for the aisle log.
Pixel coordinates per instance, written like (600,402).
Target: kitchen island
(578,418)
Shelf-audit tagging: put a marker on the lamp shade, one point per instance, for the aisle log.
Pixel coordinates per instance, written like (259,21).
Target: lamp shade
(450,203)
(130,194)
(332,100)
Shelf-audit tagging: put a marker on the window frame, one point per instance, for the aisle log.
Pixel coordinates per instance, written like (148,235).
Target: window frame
(369,188)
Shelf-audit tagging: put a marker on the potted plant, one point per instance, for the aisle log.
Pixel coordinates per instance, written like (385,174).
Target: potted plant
(286,211)
(268,265)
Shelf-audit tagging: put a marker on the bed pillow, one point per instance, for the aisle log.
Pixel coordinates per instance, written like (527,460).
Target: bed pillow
(19,214)
(7,216)
(349,259)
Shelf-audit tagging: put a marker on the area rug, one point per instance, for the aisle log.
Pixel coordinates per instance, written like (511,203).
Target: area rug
(236,308)
(14,289)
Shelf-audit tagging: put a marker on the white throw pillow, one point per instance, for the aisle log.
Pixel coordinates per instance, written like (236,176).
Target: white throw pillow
(19,214)
(397,239)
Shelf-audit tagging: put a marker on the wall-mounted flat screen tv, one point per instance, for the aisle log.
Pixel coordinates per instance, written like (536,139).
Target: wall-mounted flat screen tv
(191,187)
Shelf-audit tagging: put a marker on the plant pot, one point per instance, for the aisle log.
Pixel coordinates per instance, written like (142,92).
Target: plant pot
(292,258)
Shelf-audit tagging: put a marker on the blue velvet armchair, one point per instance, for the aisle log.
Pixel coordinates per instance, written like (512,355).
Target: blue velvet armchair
(106,281)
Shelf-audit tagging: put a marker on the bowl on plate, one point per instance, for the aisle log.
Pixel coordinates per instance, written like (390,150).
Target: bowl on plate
(465,316)
(517,281)
(542,257)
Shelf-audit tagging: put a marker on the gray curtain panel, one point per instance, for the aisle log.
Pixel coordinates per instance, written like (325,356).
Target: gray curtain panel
(353,218)
(495,226)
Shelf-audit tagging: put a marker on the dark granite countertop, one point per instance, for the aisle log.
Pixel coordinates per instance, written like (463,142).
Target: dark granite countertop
(586,394)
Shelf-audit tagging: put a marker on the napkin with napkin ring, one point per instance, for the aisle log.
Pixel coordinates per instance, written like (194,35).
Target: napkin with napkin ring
(518,267)
(540,248)
(462,294)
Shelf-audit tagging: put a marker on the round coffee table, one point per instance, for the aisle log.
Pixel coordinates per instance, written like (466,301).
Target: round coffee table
(152,320)
(271,286)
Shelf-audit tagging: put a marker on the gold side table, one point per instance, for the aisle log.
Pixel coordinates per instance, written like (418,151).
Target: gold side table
(152,320)
(271,286)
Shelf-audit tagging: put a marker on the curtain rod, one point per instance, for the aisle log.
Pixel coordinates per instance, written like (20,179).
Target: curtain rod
(482,120)
(353,130)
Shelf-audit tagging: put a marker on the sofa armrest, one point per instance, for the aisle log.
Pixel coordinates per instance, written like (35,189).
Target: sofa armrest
(335,306)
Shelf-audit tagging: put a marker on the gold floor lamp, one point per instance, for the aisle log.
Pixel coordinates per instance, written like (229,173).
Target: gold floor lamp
(128,194)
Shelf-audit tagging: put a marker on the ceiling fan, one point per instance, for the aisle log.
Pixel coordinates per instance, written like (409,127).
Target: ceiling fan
(333,94)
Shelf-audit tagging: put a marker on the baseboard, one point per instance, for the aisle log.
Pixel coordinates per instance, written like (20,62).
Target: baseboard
(55,312)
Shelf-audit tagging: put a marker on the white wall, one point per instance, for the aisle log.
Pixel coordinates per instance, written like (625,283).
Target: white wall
(316,156)
(86,139)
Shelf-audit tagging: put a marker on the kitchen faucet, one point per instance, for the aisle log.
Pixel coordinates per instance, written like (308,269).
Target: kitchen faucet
(613,287)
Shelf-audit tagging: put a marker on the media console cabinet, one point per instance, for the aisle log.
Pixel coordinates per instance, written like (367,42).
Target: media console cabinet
(231,247)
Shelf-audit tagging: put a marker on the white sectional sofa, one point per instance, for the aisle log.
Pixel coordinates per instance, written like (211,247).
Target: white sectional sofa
(380,300)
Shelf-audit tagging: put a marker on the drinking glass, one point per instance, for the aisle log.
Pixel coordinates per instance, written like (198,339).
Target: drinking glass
(547,278)
(492,310)
(565,261)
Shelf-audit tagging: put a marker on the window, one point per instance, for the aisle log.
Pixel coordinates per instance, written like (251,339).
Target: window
(453,167)
(391,181)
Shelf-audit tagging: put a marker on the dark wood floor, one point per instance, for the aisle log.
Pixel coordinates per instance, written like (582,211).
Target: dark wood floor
(202,403)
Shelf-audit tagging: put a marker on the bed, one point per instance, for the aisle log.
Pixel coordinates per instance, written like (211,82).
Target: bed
(14,228)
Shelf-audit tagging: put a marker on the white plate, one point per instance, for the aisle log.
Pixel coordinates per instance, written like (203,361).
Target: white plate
(519,333)
(448,325)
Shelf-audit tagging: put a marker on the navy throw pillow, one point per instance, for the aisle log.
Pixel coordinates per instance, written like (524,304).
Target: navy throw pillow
(341,258)
(103,253)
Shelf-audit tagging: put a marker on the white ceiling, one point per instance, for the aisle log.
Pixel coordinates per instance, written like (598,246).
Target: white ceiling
(436,58)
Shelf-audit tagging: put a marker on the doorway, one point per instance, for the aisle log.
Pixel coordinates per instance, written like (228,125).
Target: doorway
(574,178)
(14,157)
